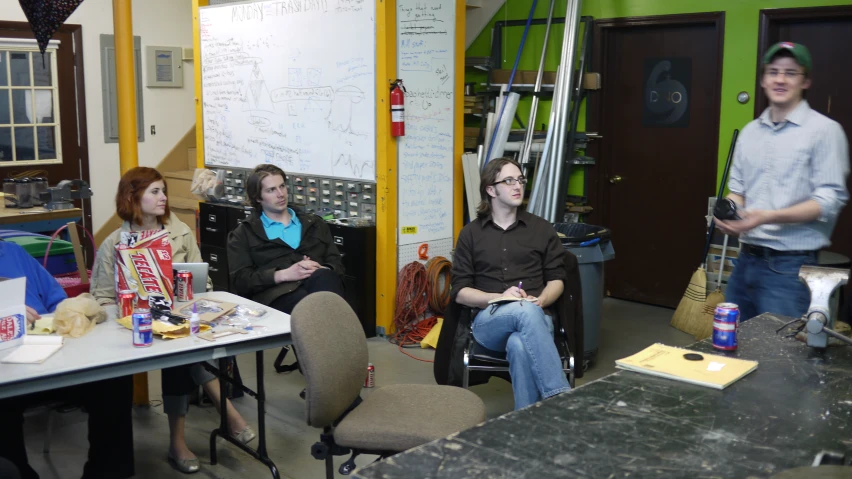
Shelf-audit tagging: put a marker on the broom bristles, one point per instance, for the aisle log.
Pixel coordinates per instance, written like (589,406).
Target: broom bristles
(706,326)
(687,316)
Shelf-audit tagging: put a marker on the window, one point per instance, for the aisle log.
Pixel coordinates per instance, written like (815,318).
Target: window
(29,104)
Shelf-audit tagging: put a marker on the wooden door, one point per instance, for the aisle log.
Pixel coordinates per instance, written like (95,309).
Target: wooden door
(827,32)
(72,112)
(658,113)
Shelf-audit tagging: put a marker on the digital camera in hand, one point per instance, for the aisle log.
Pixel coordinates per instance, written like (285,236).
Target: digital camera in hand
(726,209)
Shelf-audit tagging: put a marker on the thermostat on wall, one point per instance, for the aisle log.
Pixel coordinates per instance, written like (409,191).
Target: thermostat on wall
(164,67)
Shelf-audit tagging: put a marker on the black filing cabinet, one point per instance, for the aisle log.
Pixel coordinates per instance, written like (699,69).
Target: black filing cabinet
(358,248)
(216,221)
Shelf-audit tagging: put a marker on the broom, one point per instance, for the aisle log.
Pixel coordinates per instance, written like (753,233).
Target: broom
(713,299)
(688,315)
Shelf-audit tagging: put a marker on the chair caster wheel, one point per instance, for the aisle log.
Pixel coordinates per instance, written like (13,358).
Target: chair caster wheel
(319,450)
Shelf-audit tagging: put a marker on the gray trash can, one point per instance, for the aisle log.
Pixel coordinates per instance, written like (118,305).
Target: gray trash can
(592,247)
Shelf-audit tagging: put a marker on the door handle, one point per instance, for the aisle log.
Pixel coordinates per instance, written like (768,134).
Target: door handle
(615,179)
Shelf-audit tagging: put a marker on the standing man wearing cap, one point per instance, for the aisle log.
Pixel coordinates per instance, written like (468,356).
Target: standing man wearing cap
(788,180)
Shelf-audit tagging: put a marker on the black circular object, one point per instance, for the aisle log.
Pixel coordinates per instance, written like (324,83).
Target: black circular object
(693,356)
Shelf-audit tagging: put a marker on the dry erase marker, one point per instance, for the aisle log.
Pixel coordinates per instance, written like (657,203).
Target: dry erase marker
(519,284)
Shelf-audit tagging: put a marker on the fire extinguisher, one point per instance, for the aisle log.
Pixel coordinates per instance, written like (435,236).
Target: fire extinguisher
(397,101)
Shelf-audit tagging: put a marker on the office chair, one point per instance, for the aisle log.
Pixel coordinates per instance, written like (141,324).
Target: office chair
(333,354)
(460,361)
(479,358)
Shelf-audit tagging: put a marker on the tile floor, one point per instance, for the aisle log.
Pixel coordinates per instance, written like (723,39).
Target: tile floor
(625,328)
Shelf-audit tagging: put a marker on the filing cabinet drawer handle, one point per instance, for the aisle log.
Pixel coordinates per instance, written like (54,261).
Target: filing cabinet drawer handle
(212,230)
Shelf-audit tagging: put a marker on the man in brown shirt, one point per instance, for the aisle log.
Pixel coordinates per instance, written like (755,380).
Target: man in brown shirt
(507,252)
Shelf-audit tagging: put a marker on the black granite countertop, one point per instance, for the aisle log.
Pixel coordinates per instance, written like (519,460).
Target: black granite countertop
(797,403)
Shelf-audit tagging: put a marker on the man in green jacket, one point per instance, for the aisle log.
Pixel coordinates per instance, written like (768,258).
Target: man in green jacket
(279,256)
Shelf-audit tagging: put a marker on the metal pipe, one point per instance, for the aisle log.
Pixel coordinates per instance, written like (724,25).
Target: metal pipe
(540,175)
(561,105)
(122,20)
(562,185)
(525,150)
(569,44)
(512,77)
(504,125)
(535,147)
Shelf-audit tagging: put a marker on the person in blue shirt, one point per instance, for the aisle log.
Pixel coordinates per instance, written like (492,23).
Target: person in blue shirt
(278,255)
(108,402)
(43,292)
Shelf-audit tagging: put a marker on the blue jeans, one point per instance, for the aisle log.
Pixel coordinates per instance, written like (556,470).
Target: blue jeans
(769,284)
(525,334)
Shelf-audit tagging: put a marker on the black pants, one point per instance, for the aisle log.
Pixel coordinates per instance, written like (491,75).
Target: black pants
(109,403)
(320,280)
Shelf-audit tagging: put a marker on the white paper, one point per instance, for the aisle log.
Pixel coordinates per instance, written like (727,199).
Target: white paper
(13,312)
(35,350)
(715,367)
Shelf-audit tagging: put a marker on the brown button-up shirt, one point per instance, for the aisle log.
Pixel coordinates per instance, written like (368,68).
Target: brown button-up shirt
(491,259)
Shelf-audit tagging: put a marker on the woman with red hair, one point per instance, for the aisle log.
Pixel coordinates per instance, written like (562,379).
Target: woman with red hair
(142,203)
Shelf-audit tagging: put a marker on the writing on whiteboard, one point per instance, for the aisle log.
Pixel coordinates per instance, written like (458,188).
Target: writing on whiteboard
(257,11)
(425,59)
(271,96)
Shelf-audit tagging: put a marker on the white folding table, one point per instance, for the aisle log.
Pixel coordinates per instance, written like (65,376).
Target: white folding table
(108,352)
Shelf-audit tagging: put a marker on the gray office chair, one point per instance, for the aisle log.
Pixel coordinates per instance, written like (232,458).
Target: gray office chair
(333,354)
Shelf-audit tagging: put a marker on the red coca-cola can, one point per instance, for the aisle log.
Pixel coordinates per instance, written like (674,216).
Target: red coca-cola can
(126,302)
(370,380)
(183,285)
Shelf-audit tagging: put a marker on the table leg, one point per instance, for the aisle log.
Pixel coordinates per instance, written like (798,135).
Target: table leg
(223,407)
(223,432)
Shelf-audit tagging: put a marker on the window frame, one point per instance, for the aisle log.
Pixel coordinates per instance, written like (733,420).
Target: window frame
(18,45)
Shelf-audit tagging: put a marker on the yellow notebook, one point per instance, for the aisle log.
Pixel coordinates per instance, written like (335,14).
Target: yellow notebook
(711,370)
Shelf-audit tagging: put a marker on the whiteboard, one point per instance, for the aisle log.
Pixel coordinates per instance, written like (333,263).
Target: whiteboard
(426,64)
(292,83)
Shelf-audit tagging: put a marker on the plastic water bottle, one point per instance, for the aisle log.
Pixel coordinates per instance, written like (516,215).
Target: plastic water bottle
(194,321)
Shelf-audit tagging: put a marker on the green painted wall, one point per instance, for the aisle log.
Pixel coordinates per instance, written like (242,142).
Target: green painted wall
(742,19)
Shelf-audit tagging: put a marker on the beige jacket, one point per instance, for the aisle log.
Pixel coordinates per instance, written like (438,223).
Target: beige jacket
(184,250)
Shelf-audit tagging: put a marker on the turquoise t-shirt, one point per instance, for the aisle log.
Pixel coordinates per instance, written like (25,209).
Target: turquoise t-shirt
(290,234)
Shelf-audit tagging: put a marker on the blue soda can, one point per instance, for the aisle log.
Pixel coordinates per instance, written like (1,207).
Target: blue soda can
(726,319)
(143,328)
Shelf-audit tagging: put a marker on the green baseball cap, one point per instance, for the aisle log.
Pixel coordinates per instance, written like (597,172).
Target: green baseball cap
(799,52)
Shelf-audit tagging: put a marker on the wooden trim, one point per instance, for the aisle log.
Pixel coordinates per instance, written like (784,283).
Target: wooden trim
(658,20)
(82,121)
(770,18)
(458,129)
(196,64)
(595,120)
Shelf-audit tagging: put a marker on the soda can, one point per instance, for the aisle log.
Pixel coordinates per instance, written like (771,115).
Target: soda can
(143,328)
(370,380)
(183,285)
(726,319)
(126,302)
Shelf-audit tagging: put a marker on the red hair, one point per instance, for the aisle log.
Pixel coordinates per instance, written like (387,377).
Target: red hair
(131,187)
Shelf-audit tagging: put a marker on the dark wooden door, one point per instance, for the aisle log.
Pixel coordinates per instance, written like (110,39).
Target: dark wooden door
(827,32)
(72,113)
(658,113)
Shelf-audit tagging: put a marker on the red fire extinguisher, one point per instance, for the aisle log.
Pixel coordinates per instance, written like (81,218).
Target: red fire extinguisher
(397,101)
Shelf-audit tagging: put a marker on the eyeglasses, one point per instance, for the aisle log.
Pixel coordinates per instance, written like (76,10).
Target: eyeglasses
(511,181)
(786,73)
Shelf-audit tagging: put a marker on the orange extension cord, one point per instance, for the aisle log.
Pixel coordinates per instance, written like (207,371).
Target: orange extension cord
(418,287)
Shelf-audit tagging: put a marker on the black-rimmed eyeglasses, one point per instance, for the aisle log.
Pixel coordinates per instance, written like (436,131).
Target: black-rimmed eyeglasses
(511,181)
